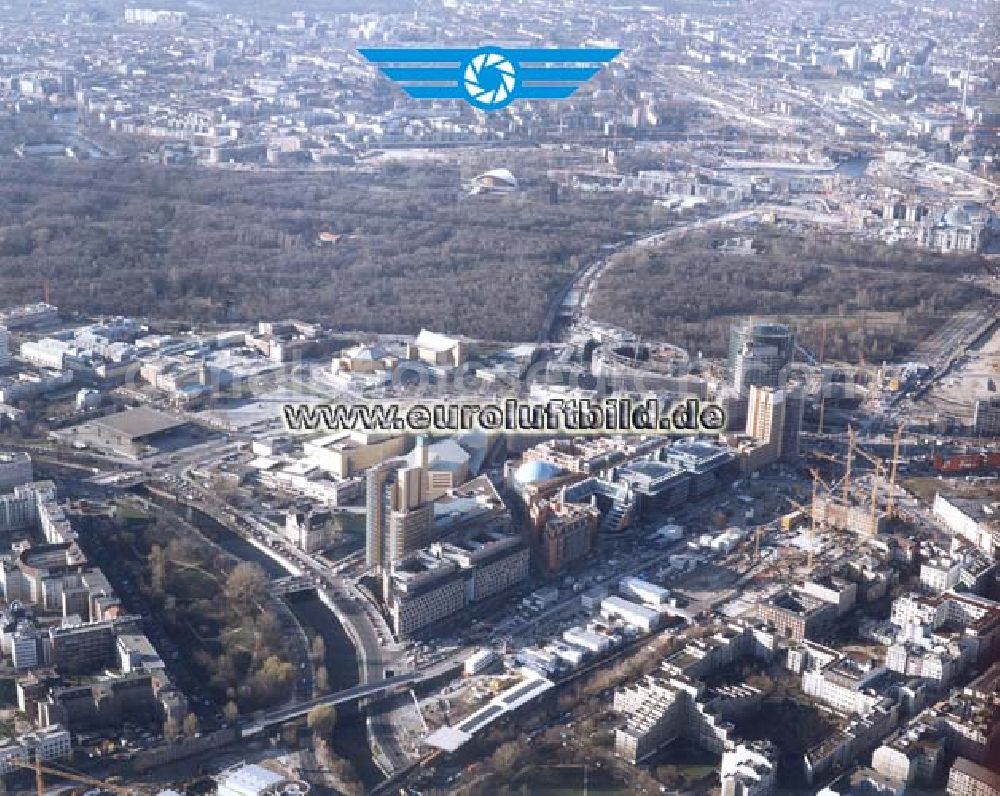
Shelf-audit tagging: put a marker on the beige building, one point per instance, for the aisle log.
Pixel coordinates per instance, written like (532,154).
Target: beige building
(445,464)
(858,519)
(436,582)
(351,452)
(436,349)
(774,418)
(796,615)
(364,360)
(400,515)
(766,415)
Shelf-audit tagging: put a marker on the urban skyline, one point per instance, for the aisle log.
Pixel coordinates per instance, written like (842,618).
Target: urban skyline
(230,244)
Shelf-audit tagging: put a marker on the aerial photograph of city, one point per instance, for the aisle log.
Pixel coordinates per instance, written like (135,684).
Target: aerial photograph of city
(543,398)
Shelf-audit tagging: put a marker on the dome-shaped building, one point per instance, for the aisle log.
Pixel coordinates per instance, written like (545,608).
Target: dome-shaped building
(535,471)
(965,214)
(964,227)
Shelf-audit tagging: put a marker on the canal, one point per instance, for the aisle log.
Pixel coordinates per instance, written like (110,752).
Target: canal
(350,740)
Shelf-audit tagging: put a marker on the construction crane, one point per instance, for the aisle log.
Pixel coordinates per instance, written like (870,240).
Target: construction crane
(83,779)
(879,469)
(788,519)
(891,500)
(847,464)
(880,476)
(829,457)
(874,507)
(817,480)
(756,543)
(875,461)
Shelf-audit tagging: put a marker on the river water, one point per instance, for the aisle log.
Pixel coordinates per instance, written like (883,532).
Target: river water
(853,167)
(350,739)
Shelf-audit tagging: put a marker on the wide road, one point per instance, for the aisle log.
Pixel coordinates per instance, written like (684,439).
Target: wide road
(584,281)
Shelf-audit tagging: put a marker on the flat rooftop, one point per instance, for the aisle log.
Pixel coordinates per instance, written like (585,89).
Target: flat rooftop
(139,422)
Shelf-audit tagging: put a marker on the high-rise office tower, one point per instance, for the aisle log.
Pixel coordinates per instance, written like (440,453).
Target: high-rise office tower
(399,514)
(795,404)
(766,415)
(775,417)
(986,418)
(759,355)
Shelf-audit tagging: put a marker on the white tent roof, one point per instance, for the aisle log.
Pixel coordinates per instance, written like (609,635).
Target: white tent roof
(435,341)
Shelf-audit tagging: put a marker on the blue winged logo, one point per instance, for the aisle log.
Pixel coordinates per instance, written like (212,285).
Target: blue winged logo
(489,78)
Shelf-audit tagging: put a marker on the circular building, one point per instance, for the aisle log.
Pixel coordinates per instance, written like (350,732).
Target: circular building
(633,366)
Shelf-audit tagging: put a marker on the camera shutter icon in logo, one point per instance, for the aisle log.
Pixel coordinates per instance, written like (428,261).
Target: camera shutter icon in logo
(490,80)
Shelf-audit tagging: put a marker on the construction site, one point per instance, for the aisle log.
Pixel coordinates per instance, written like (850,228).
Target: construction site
(861,503)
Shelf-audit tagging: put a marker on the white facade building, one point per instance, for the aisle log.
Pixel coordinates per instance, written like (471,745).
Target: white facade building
(940,574)
(748,771)
(982,533)
(48,743)
(639,616)
(649,593)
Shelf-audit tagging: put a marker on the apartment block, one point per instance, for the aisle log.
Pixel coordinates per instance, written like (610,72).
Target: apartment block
(88,647)
(971,779)
(46,744)
(659,710)
(437,582)
(749,770)
(796,615)
(913,756)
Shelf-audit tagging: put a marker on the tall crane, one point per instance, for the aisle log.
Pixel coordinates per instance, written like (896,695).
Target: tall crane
(829,457)
(40,771)
(847,464)
(879,470)
(817,480)
(891,500)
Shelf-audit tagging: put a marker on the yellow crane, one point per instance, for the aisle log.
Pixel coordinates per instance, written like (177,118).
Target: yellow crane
(788,520)
(817,480)
(83,779)
(891,501)
(847,464)
(879,476)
